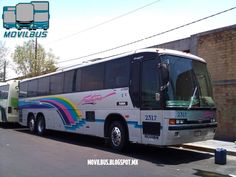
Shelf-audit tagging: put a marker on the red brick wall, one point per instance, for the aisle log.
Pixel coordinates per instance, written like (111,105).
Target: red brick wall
(219,50)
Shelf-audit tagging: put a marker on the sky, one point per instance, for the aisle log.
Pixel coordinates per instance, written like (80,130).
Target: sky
(69,18)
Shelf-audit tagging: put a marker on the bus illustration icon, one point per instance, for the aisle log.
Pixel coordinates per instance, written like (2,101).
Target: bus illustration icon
(9,17)
(32,16)
(41,14)
(24,15)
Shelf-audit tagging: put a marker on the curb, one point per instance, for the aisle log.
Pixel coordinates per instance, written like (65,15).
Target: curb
(206,149)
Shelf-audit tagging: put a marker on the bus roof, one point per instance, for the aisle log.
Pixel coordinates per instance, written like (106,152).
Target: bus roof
(8,82)
(100,60)
(171,52)
(9,8)
(41,5)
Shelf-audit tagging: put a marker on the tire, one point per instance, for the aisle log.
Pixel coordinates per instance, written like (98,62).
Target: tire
(32,124)
(118,136)
(40,125)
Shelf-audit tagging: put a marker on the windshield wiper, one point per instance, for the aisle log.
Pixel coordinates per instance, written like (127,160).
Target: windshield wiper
(192,98)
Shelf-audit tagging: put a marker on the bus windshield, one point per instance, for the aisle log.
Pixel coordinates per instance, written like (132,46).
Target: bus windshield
(189,83)
(25,13)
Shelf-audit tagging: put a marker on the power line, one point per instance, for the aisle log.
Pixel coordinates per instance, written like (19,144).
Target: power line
(146,38)
(107,21)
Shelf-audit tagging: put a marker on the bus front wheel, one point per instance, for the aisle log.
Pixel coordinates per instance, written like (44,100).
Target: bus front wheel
(117,136)
(40,125)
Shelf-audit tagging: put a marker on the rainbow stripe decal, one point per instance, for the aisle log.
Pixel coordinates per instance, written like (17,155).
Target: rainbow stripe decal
(69,113)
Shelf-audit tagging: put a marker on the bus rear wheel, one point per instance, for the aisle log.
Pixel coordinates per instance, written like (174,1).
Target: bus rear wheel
(117,136)
(31,124)
(40,125)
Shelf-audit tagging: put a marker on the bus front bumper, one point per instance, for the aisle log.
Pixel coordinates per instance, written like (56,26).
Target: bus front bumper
(180,134)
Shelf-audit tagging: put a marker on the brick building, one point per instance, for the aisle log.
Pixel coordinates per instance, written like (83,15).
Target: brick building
(218,48)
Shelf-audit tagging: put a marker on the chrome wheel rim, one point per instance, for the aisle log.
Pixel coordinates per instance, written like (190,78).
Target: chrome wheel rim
(40,126)
(116,136)
(31,125)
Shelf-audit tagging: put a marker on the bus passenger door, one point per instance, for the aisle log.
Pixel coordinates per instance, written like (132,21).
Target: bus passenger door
(135,131)
(151,113)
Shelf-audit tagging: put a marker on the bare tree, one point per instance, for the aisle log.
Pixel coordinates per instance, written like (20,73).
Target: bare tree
(3,60)
(32,60)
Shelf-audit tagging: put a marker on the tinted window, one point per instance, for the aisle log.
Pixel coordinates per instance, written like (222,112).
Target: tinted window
(32,88)
(23,89)
(4,91)
(78,80)
(135,83)
(56,83)
(68,81)
(117,73)
(93,77)
(150,84)
(43,86)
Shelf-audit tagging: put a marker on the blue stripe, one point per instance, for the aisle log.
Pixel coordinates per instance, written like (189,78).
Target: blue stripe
(134,123)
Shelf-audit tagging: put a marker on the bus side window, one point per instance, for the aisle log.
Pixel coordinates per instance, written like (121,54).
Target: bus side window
(78,80)
(23,89)
(117,73)
(68,81)
(93,77)
(32,88)
(43,86)
(56,83)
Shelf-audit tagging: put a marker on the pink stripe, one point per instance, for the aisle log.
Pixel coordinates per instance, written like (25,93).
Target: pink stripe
(64,109)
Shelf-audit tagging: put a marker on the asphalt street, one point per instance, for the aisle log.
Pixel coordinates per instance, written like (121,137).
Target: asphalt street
(70,155)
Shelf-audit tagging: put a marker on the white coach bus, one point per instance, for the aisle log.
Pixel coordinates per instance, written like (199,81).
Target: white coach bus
(150,96)
(9,102)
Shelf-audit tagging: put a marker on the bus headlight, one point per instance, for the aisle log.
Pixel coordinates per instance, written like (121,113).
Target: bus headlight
(176,121)
(179,121)
(213,120)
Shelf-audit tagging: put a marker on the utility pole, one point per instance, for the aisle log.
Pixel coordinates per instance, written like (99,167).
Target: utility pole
(4,71)
(36,50)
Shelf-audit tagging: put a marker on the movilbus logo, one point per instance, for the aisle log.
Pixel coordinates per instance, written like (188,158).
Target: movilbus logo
(31,16)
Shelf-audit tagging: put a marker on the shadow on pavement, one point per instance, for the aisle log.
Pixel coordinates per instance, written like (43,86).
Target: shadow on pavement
(9,125)
(157,155)
(204,173)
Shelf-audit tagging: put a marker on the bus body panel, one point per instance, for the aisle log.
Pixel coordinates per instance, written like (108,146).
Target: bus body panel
(98,101)
(200,126)
(9,103)
(67,112)
(152,132)
(176,120)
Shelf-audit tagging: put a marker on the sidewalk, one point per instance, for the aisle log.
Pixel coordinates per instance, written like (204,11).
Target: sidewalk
(211,145)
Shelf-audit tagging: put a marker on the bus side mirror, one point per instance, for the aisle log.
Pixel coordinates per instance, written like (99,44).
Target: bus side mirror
(164,76)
